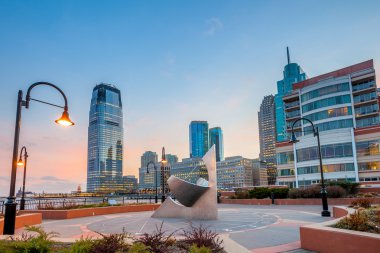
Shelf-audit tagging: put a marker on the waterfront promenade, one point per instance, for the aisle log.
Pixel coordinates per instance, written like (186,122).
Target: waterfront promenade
(244,228)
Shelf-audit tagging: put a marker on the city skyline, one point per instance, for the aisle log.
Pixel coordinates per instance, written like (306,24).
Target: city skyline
(205,62)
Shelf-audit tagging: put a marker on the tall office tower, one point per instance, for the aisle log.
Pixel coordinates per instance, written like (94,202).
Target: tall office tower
(199,139)
(267,133)
(147,157)
(344,106)
(105,140)
(216,138)
(293,73)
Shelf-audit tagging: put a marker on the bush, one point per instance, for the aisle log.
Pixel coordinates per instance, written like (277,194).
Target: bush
(362,202)
(356,221)
(351,188)
(110,243)
(157,241)
(314,191)
(195,249)
(259,193)
(139,247)
(280,193)
(241,194)
(202,236)
(335,191)
(82,246)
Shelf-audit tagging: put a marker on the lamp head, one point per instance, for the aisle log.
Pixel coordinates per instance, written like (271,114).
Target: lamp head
(20,162)
(163,158)
(64,120)
(294,138)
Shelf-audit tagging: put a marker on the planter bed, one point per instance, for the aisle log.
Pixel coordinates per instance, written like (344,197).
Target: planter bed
(84,212)
(24,220)
(322,238)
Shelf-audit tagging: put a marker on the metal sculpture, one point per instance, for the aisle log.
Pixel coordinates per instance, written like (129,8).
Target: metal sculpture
(193,201)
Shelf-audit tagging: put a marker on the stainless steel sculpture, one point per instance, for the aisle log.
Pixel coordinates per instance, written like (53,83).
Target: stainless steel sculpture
(193,201)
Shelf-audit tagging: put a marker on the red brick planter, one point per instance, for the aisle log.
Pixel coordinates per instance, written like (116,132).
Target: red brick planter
(322,238)
(24,220)
(84,212)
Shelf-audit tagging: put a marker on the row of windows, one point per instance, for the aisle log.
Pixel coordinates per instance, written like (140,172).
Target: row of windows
(365,97)
(330,113)
(369,166)
(285,157)
(337,124)
(327,151)
(366,109)
(365,148)
(326,168)
(326,102)
(370,121)
(292,114)
(363,85)
(325,90)
(292,104)
(286,172)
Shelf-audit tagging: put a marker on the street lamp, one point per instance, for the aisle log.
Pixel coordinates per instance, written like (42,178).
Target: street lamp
(23,163)
(155,180)
(163,161)
(10,205)
(325,211)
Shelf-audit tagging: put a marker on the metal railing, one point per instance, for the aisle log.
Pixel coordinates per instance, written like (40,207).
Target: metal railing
(70,203)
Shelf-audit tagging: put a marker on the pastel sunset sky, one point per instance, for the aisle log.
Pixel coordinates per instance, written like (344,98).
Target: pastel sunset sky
(174,62)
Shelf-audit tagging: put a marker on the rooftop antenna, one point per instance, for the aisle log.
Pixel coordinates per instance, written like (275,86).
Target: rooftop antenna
(287,51)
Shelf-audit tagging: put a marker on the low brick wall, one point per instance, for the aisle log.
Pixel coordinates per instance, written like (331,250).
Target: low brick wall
(321,238)
(339,212)
(335,201)
(24,220)
(247,201)
(84,212)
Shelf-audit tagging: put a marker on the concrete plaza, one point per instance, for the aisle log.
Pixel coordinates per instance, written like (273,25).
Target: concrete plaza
(244,228)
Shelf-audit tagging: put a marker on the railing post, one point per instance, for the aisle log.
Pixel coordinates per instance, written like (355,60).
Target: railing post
(150,199)
(85,201)
(123,200)
(63,203)
(137,199)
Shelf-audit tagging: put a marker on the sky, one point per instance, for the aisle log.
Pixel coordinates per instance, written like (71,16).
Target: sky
(174,62)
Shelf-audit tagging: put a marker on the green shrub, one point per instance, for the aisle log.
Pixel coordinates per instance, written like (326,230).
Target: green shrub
(139,247)
(157,241)
(203,236)
(82,246)
(110,243)
(241,194)
(313,191)
(195,249)
(34,244)
(280,193)
(259,193)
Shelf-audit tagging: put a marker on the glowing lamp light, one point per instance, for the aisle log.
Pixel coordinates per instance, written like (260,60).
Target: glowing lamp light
(64,120)
(20,163)
(164,161)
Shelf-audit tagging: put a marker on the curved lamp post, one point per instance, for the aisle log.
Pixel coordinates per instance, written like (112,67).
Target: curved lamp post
(23,163)
(155,180)
(325,211)
(163,161)
(10,205)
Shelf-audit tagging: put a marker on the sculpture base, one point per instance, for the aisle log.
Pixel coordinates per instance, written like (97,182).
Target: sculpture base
(172,209)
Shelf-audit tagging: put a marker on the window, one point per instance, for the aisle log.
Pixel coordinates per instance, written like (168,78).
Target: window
(326,168)
(337,124)
(325,90)
(365,148)
(285,157)
(326,102)
(327,151)
(330,113)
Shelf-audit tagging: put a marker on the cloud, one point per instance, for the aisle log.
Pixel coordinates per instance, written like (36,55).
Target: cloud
(213,25)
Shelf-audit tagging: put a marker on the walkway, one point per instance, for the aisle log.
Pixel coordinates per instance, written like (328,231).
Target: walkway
(257,229)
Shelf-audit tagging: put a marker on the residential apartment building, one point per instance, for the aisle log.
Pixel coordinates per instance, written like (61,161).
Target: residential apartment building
(344,106)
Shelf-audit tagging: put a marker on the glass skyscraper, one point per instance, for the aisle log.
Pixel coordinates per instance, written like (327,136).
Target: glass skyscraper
(293,73)
(216,137)
(105,140)
(199,138)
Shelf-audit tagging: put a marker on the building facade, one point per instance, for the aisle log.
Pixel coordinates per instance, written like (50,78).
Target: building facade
(293,73)
(234,172)
(171,159)
(267,136)
(148,156)
(190,169)
(216,138)
(344,106)
(199,138)
(105,140)
(260,173)
(130,184)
